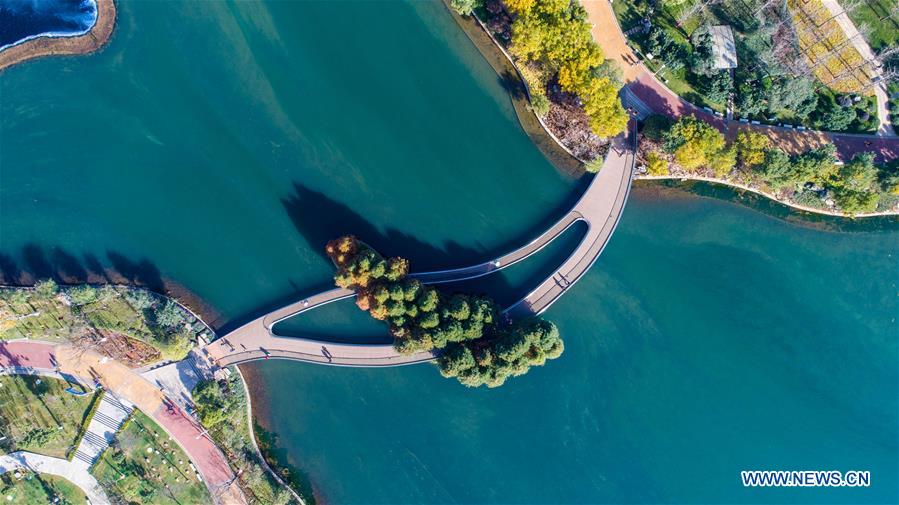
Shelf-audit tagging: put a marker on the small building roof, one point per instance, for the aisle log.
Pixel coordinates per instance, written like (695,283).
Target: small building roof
(723,47)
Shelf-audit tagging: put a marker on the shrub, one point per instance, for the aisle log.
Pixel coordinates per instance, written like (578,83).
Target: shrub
(594,166)
(656,165)
(836,118)
(609,69)
(465,7)
(655,126)
(83,294)
(702,61)
(540,104)
(718,86)
(751,147)
(697,144)
(46,289)
(213,406)
(855,189)
(169,315)
(140,299)
(660,44)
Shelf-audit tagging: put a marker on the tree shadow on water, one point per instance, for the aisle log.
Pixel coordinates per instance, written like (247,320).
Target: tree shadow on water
(320,218)
(512,84)
(64,267)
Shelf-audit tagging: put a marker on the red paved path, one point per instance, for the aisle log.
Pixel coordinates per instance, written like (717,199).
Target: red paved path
(203,453)
(663,101)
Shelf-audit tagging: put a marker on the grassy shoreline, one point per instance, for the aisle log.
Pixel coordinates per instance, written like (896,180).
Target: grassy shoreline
(54,313)
(737,186)
(131,324)
(674,187)
(225,410)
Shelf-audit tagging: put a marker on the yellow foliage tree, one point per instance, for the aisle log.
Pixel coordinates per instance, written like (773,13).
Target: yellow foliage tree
(751,148)
(698,144)
(554,35)
(576,74)
(723,161)
(656,165)
(519,6)
(607,117)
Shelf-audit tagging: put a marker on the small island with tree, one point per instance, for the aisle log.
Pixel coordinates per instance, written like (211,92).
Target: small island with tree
(473,341)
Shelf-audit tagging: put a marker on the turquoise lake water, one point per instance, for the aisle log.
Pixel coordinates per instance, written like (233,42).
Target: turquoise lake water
(214,147)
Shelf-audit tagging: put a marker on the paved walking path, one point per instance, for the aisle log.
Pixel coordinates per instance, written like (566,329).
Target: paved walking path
(178,380)
(604,207)
(129,386)
(600,207)
(69,470)
(661,100)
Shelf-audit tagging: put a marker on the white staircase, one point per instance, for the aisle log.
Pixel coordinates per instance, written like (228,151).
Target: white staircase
(108,418)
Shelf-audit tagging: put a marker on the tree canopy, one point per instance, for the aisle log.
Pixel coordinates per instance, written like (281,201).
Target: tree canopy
(751,148)
(696,144)
(512,353)
(422,318)
(554,35)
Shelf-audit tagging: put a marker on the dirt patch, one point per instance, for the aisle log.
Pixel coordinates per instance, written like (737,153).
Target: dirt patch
(119,347)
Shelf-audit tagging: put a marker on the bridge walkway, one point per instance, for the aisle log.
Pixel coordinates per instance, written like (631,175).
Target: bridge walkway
(600,207)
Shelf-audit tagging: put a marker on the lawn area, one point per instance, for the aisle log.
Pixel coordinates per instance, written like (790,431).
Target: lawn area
(143,465)
(132,324)
(38,415)
(631,12)
(876,15)
(34,488)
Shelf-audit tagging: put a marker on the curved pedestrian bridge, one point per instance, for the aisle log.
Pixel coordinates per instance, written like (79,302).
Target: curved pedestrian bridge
(600,207)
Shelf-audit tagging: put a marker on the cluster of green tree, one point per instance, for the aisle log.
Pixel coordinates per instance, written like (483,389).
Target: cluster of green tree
(555,35)
(490,362)
(855,186)
(696,144)
(422,318)
(222,409)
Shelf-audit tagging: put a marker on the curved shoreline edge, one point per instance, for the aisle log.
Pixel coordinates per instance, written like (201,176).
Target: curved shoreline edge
(743,187)
(496,49)
(197,314)
(43,45)
(259,454)
(506,69)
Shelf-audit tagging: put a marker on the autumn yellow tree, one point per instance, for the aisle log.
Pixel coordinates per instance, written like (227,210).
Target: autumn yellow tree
(519,6)
(553,34)
(723,161)
(697,144)
(607,117)
(656,165)
(751,148)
